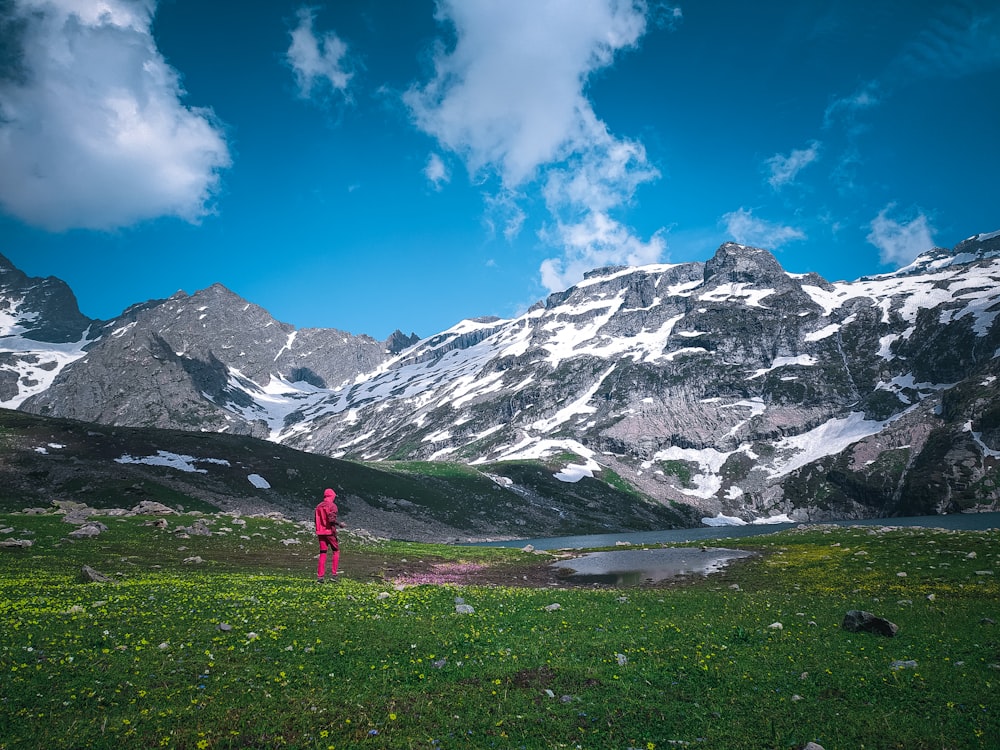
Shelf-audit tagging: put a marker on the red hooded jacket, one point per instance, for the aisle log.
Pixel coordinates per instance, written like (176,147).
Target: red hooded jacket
(326,515)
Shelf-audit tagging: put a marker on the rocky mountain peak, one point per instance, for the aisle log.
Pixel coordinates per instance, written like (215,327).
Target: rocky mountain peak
(741,264)
(398,341)
(39,309)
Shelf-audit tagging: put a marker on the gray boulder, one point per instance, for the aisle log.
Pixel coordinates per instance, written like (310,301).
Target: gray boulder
(89,575)
(857,621)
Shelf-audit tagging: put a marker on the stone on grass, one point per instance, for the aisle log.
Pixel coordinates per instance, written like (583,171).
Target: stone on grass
(16,543)
(88,530)
(857,620)
(89,575)
(552,607)
(464,609)
(225,627)
(903,664)
(151,508)
(196,560)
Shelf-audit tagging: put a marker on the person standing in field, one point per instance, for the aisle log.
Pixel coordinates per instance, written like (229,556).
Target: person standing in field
(326,531)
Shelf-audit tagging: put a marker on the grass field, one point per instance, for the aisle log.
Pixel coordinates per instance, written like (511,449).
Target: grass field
(245,650)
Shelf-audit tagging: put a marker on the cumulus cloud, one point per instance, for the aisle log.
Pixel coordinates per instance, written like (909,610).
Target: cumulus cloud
(509,98)
(747,229)
(319,62)
(93,133)
(782,170)
(899,243)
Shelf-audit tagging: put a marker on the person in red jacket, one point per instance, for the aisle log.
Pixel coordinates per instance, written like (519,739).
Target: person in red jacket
(326,531)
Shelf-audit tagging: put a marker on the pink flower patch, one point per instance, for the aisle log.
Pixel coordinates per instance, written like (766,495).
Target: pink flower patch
(442,573)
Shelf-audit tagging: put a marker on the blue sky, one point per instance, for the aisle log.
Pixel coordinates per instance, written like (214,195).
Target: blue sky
(377,164)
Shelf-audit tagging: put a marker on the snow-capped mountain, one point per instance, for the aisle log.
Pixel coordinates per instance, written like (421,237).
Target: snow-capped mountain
(41,331)
(730,385)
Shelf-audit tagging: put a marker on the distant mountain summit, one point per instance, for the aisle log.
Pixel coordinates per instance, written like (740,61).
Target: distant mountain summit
(191,361)
(730,386)
(38,309)
(41,331)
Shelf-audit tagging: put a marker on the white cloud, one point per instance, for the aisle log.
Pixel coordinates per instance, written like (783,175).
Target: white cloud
(93,133)
(319,62)
(509,98)
(435,171)
(784,169)
(747,229)
(899,243)
(502,209)
(847,107)
(596,241)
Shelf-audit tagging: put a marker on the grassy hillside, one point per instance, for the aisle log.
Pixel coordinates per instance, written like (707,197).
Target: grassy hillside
(44,459)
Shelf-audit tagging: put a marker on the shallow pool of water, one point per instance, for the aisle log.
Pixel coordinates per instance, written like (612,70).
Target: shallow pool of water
(636,566)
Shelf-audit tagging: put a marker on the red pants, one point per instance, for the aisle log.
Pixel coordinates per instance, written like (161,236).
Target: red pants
(331,541)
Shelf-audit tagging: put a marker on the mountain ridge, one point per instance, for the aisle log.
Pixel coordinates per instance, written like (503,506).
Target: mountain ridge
(730,385)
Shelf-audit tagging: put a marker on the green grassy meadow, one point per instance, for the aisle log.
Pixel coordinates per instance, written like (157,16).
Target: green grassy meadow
(245,650)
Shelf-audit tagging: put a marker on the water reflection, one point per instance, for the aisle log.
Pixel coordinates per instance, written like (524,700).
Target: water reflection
(633,567)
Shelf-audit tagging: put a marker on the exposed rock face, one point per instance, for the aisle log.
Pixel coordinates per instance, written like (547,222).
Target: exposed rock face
(193,361)
(730,385)
(41,330)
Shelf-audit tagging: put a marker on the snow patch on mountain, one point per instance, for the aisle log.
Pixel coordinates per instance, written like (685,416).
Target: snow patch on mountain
(173,461)
(35,364)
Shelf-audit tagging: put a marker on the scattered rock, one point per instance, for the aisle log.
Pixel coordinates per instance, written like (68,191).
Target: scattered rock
(196,560)
(78,516)
(151,508)
(812,746)
(464,609)
(225,627)
(89,575)
(16,543)
(552,607)
(199,528)
(89,530)
(903,664)
(383,595)
(775,626)
(622,659)
(860,621)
